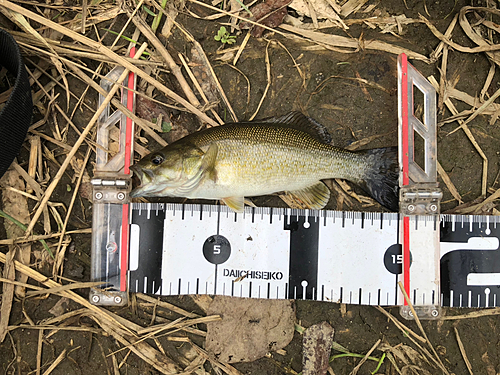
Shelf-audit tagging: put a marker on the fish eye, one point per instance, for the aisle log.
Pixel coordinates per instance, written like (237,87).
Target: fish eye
(157,159)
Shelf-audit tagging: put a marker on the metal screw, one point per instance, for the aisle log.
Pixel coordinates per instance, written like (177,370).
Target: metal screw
(411,207)
(433,207)
(98,195)
(434,313)
(95,299)
(118,300)
(120,196)
(410,313)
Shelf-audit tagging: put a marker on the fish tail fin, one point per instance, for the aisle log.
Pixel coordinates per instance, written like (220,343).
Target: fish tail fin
(381,177)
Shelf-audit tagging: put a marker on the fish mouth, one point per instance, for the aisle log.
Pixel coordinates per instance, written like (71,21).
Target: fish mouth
(142,180)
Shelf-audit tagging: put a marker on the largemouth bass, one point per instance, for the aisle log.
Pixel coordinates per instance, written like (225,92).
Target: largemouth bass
(290,154)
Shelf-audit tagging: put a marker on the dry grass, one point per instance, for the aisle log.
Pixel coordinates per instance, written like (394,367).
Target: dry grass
(57,63)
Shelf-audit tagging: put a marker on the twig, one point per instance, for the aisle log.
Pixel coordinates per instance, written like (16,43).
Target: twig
(70,207)
(176,71)
(39,352)
(268,71)
(56,362)
(356,369)
(462,351)
(449,184)
(198,87)
(12,241)
(167,305)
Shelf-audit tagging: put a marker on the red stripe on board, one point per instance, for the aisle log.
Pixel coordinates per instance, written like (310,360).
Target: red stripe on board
(128,156)
(128,128)
(406,178)
(404,117)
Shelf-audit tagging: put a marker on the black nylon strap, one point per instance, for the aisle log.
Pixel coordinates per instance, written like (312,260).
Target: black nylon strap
(15,118)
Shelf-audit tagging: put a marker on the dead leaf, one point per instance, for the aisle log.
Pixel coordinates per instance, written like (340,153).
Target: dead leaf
(254,327)
(269,13)
(60,307)
(317,344)
(16,205)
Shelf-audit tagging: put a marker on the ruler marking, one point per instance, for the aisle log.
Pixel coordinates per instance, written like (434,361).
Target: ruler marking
(322,292)
(179,287)
(360,291)
(188,288)
(268,290)
(215,278)
(197,285)
(341,294)
(145,281)
(379,293)
(232,288)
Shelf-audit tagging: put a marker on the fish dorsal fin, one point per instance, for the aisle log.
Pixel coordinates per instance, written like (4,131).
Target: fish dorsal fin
(237,204)
(315,196)
(299,121)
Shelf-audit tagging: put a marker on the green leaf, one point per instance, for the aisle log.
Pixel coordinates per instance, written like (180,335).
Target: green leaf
(217,37)
(23,227)
(166,126)
(148,11)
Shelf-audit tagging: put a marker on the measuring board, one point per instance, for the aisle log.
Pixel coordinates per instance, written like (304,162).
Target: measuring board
(347,257)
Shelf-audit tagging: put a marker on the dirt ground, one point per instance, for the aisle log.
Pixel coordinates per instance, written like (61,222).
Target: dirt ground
(355,96)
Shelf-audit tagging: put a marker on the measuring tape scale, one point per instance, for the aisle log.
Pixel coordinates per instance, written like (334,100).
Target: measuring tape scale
(348,257)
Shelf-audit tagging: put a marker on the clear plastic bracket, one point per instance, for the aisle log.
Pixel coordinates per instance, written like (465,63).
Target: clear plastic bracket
(419,191)
(111,187)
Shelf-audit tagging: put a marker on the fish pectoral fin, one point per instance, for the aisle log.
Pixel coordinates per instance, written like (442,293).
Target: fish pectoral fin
(315,196)
(237,204)
(208,162)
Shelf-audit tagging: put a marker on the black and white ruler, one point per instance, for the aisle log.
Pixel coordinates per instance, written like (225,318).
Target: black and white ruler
(347,257)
